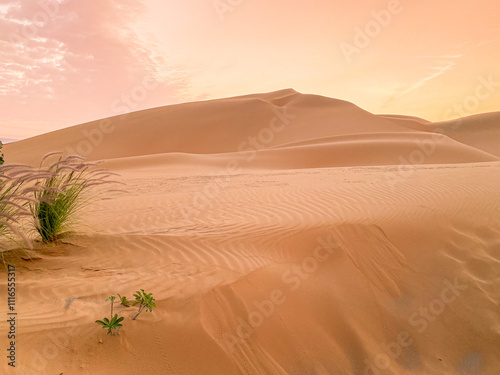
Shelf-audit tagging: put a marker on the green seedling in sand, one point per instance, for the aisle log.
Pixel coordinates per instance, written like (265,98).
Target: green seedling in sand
(111,325)
(112,300)
(124,301)
(145,302)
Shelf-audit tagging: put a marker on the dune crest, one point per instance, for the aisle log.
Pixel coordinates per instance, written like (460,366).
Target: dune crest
(332,129)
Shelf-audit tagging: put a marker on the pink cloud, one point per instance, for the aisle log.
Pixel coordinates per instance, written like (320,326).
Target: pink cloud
(70,61)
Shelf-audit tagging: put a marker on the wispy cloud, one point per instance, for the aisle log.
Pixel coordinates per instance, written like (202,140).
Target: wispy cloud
(65,53)
(440,65)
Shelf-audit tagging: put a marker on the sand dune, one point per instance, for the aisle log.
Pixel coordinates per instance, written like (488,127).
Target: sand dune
(480,131)
(274,120)
(350,243)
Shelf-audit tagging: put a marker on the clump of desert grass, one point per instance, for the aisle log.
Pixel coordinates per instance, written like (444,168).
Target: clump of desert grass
(18,188)
(70,186)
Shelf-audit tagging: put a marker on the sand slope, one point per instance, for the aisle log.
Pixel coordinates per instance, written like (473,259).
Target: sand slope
(274,261)
(275,120)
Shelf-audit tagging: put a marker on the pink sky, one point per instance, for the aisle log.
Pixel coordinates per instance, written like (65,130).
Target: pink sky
(65,62)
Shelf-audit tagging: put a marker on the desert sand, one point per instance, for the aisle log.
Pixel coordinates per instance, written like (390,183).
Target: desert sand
(280,233)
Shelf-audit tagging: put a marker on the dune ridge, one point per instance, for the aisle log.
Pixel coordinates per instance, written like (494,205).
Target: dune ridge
(274,120)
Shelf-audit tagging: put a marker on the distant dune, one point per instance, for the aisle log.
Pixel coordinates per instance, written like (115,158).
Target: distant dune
(281,233)
(308,130)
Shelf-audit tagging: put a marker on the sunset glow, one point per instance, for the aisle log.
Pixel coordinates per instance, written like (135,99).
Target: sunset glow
(67,62)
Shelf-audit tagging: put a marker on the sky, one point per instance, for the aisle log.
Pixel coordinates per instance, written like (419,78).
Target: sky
(66,62)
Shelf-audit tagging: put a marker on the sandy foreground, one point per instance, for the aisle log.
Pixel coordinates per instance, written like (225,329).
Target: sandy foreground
(280,233)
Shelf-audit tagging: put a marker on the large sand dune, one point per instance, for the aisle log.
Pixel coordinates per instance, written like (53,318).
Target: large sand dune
(278,120)
(281,233)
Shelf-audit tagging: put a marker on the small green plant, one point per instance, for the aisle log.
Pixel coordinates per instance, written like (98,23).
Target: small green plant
(69,188)
(112,300)
(1,153)
(124,301)
(111,325)
(145,302)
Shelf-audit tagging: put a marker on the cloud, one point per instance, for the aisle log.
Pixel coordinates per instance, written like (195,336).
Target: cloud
(75,56)
(69,44)
(440,65)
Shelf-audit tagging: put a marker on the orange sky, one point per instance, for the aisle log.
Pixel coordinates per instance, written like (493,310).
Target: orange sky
(65,62)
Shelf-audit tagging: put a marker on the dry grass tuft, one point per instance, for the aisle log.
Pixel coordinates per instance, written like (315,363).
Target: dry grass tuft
(70,185)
